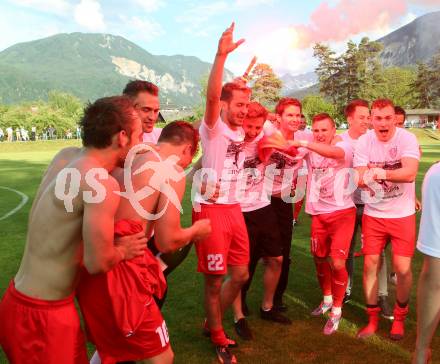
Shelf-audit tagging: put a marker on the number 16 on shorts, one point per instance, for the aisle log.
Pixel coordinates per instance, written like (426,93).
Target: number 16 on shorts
(215,262)
(162,331)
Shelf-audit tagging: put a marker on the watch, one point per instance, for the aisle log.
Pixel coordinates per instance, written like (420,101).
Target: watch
(304,143)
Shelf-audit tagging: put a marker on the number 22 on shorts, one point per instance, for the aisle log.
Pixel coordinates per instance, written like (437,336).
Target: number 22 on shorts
(215,262)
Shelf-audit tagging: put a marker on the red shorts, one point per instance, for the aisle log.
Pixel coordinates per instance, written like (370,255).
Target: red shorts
(331,233)
(150,338)
(228,243)
(121,316)
(376,232)
(35,331)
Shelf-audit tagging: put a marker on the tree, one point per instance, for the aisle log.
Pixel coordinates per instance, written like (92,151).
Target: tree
(328,72)
(398,88)
(266,87)
(435,79)
(315,104)
(422,86)
(357,73)
(199,110)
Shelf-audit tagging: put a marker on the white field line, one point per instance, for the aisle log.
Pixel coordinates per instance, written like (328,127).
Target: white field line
(24,199)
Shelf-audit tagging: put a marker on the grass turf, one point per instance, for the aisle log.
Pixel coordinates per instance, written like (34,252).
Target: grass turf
(21,168)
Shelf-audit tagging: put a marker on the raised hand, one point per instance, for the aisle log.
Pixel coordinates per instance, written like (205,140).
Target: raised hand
(226,43)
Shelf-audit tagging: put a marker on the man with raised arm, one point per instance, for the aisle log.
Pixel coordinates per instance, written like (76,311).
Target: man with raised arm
(121,315)
(226,251)
(70,225)
(387,159)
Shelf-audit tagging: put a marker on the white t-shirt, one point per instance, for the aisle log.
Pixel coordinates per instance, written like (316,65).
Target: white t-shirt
(353,142)
(152,137)
(429,232)
(281,168)
(252,182)
(398,199)
(328,188)
(305,134)
(223,154)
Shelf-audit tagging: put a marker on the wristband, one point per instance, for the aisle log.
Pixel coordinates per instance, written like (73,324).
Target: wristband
(304,143)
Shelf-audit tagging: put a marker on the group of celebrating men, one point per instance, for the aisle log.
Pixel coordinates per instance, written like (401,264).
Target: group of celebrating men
(90,243)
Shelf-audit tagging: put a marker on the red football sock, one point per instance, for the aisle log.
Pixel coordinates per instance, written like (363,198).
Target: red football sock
(398,329)
(324,274)
(373,323)
(339,285)
(218,337)
(297,209)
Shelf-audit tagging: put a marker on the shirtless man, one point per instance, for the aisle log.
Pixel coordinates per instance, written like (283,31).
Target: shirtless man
(140,332)
(67,231)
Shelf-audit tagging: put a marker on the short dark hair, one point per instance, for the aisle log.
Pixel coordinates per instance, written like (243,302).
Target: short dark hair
(256,110)
(381,103)
(285,102)
(352,105)
(179,132)
(323,116)
(229,87)
(133,88)
(105,118)
(399,111)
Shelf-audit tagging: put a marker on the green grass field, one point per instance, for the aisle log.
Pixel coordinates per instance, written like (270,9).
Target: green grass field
(21,168)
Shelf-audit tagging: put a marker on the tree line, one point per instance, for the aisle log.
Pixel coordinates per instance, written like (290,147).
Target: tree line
(61,111)
(356,73)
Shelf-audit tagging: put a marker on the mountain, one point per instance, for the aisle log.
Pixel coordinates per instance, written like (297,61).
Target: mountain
(416,41)
(299,82)
(95,65)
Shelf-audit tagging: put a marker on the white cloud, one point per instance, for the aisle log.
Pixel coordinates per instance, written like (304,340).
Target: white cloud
(150,6)
(408,18)
(146,29)
(251,3)
(58,7)
(88,14)
(196,19)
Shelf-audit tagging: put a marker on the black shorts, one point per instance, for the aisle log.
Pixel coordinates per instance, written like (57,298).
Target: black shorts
(264,236)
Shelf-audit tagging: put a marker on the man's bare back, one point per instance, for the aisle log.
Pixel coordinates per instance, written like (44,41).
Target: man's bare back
(54,250)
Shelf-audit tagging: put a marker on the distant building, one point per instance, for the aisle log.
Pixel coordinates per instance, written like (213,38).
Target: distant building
(421,118)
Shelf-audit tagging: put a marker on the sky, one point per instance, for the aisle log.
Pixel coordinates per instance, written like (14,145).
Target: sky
(279,32)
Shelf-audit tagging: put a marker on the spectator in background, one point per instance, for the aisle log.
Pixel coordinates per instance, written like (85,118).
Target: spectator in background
(51,131)
(33,133)
(10,134)
(24,134)
(17,134)
(78,132)
(400,117)
(2,134)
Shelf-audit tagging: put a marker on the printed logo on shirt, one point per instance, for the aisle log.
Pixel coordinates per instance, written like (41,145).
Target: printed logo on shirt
(234,151)
(393,152)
